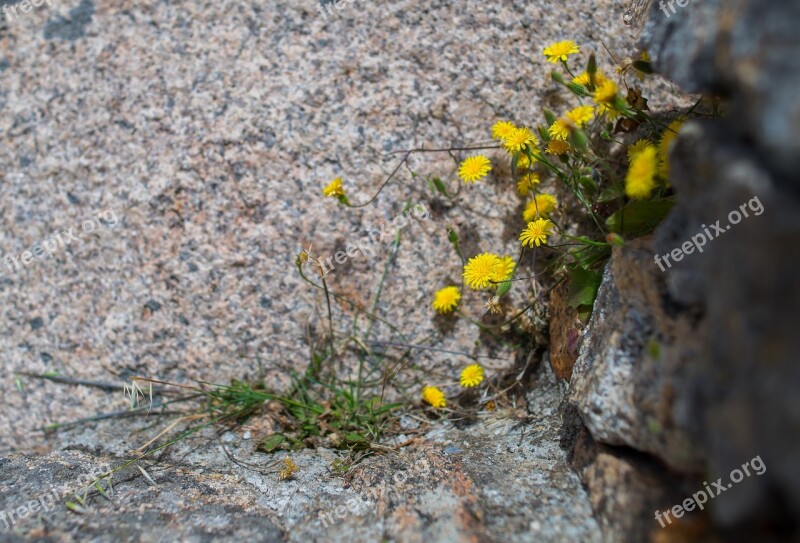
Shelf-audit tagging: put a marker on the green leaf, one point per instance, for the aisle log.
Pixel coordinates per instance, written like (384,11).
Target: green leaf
(639,217)
(504,287)
(609,194)
(452,235)
(578,90)
(591,66)
(579,139)
(74,507)
(557,77)
(548,115)
(588,183)
(643,66)
(544,134)
(583,286)
(100,489)
(271,443)
(354,437)
(438,185)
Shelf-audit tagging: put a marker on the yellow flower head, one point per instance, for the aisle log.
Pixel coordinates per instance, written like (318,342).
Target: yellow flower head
(527,182)
(536,233)
(560,129)
(560,51)
(638,147)
(502,129)
(606,93)
(523,162)
(584,79)
(504,270)
(640,181)
(667,138)
(446,300)
(471,376)
(479,271)
(474,168)
(581,115)
(558,147)
(334,188)
(607,111)
(434,396)
(518,139)
(541,205)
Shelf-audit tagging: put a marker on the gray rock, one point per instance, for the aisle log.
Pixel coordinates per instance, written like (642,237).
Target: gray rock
(696,365)
(747,378)
(496,480)
(628,380)
(746,50)
(744,383)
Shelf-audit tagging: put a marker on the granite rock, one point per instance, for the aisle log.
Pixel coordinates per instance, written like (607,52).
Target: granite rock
(209,128)
(501,479)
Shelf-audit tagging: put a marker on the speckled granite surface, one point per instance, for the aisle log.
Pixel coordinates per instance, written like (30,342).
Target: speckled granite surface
(208,128)
(498,481)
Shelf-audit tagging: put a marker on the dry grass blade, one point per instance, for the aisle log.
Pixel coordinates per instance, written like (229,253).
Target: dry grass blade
(146,475)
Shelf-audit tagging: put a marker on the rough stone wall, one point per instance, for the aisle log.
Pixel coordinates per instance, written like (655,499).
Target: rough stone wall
(697,366)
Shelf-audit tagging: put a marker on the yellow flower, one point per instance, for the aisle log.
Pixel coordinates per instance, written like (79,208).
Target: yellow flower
(523,162)
(605,93)
(666,141)
(541,205)
(584,79)
(558,147)
(434,396)
(640,181)
(474,168)
(607,111)
(471,376)
(638,147)
(518,139)
(289,467)
(560,51)
(481,270)
(536,233)
(502,129)
(505,270)
(560,129)
(581,115)
(446,300)
(334,188)
(527,182)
